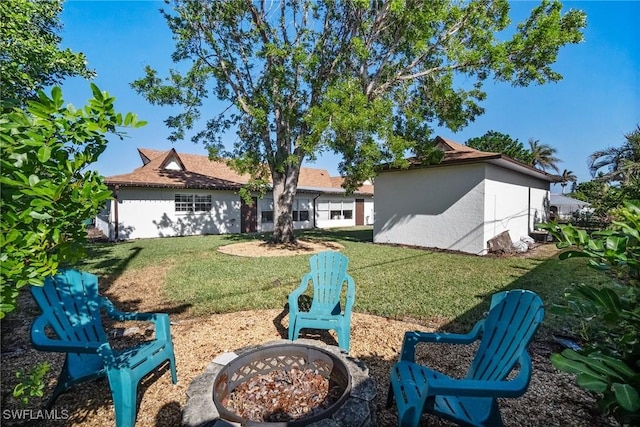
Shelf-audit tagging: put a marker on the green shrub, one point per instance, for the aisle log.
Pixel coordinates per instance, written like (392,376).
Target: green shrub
(31,383)
(610,362)
(47,191)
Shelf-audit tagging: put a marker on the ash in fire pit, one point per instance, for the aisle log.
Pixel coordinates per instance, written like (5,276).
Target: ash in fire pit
(292,383)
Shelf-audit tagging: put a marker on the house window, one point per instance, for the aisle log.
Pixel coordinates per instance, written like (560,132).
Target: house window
(336,209)
(266,208)
(193,202)
(301,210)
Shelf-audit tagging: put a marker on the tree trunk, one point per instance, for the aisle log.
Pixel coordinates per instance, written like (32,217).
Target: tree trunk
(284,190)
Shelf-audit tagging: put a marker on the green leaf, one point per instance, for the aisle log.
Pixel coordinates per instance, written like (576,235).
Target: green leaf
(97,94)
(617,365)
(626,396)
(56,95)
(33,180)
(44,153)
(39,216)
(592,382)
(567,365)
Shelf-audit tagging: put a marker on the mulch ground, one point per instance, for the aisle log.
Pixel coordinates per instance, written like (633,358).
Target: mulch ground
(553,399)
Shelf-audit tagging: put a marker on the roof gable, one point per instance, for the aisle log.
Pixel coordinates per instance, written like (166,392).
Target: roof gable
(147,154)
(172,161)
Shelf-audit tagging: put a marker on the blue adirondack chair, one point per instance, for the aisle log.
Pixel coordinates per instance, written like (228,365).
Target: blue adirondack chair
(328,277)
(71,307)
(504,336)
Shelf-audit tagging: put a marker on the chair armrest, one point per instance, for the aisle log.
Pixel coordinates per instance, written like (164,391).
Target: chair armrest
(42,342)
(160,320)
(463,387)
(116,314)
(295,294)
(412,338)
(163,331)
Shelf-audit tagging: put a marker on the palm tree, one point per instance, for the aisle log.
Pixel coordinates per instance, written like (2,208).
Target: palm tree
(566,177)
(543,155)
(621,164)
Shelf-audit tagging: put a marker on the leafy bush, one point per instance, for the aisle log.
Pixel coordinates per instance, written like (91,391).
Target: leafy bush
(610,363)
(47,191)
(31,383)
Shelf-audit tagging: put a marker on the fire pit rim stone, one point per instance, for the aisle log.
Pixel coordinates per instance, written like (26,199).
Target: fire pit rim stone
(359,410)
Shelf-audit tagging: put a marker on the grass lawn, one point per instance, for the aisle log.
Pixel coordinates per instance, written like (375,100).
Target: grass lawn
(398,282)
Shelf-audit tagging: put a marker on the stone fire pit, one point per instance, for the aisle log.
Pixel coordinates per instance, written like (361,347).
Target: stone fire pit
(353,404)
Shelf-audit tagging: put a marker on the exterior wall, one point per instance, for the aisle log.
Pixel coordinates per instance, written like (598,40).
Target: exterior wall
(301,202)
(441,207)
(325,205)
(320,207)
(513,202)
(150,212)
(368,210)
(103,222)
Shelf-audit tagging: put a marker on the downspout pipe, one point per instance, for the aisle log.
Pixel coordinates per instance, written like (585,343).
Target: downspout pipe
(529,227)
(115,212)
(315,209)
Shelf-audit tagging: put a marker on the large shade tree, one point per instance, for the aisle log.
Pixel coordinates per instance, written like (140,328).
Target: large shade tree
(30,56)
(497,142)
(365,79)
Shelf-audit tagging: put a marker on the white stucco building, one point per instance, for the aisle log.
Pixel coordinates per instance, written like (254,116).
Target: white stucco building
(460,203)
(174,194)
(563,207)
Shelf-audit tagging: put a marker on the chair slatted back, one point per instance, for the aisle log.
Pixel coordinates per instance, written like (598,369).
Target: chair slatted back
(328,271)
(71,304)
(508,329)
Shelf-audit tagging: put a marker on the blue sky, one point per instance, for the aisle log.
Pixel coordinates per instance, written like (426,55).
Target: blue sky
(596,103)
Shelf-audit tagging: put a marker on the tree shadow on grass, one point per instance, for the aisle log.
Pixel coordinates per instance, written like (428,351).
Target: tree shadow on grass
(350,234)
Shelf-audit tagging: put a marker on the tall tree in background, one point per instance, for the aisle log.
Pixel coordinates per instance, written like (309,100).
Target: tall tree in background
(619,164)
(365,79)
(30,58)
(497,142)
(567,176)
(543,155)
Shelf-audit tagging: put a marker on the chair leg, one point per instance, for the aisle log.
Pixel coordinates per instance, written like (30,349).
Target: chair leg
(125,403)
(296,332)
(61,387)
(409,418)
(172,367)
(344,339)
(292,326)
(495,418)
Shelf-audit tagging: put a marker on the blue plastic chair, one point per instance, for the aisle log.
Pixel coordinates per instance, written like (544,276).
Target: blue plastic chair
(328,276)
(71,307)
(504,336)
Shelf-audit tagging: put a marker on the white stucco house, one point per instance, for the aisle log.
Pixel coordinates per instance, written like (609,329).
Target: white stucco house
(564,207)
(459,204)
(177,194)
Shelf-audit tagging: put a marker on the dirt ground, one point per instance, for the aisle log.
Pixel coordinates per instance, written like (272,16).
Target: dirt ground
(553,399)
(257,248)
